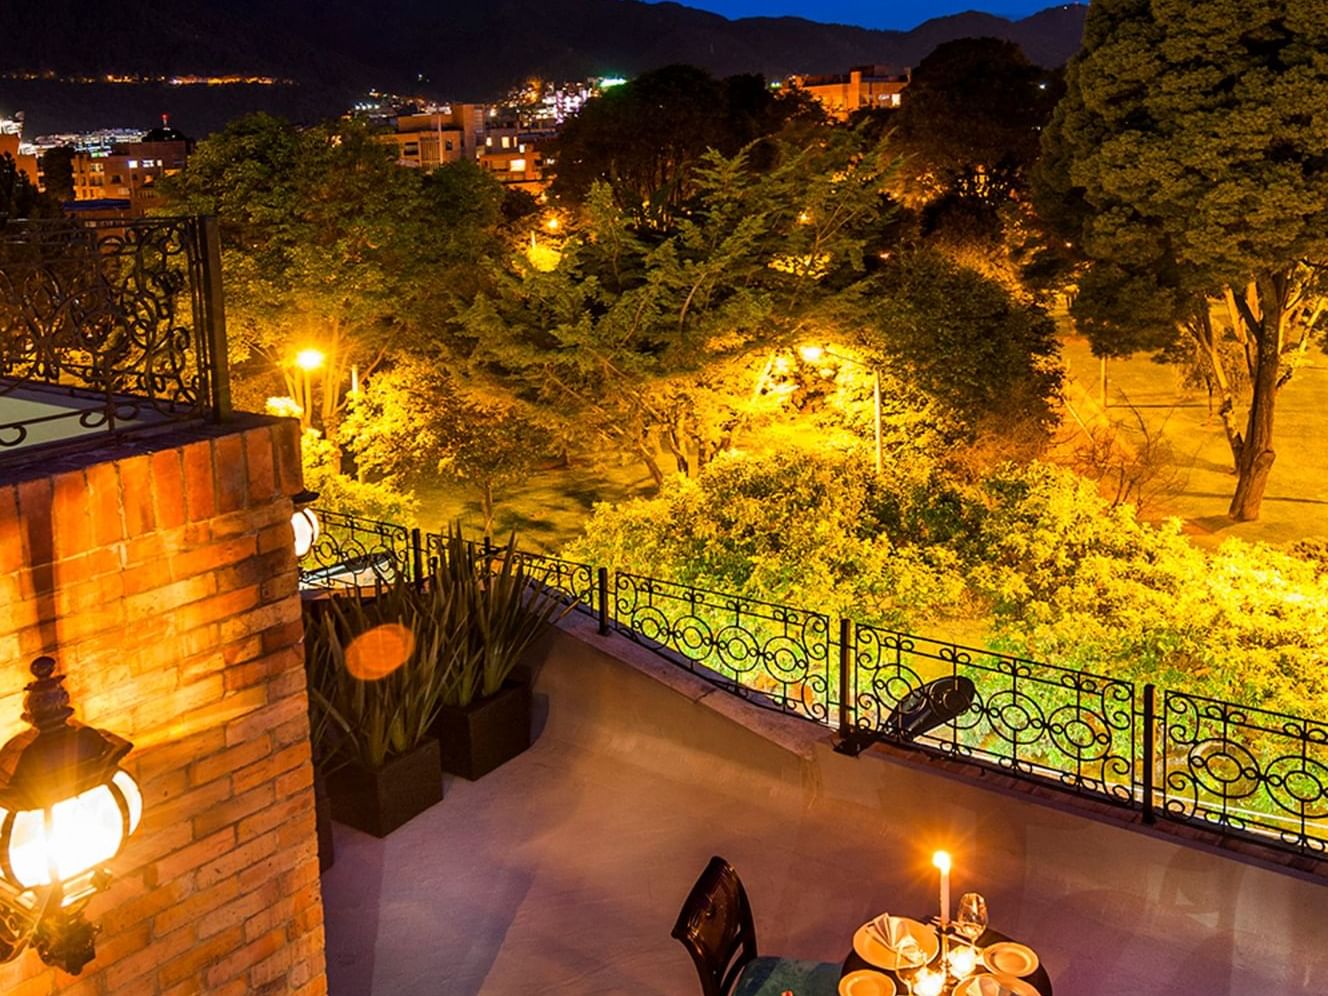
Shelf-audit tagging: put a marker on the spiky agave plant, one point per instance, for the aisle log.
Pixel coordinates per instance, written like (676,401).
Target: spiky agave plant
(379,717)
(499,611)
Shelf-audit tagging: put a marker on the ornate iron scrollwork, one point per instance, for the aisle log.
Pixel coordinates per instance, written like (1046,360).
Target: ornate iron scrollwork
(774,655)
(103,320)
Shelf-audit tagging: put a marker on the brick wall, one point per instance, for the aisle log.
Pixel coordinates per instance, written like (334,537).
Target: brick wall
(161,576)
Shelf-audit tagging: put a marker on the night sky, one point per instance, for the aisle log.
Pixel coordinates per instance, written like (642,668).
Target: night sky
(869,13)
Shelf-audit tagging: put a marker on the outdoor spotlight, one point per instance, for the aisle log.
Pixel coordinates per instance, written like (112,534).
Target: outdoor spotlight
(66,808)
(304,522)
(810,354)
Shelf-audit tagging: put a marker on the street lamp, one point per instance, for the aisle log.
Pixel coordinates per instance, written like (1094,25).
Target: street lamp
(66,808)
(813,354)
(308,360)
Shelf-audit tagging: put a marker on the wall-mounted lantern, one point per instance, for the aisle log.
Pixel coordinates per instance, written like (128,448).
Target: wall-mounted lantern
(66,808)
(304,523)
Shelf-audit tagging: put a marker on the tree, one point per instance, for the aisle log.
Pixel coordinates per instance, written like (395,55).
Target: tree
(413,422)
(57,167)
(969,124)
(967,342)
(1187,162)
(644,137)
(329,244)
(19,196)
(616,342)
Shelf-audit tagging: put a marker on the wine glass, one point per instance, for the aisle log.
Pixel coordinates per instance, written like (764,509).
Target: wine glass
(910,961)
(971,920)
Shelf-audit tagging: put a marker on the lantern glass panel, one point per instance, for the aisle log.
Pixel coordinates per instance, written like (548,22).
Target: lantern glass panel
(85,831)
(305,525)
(133,797)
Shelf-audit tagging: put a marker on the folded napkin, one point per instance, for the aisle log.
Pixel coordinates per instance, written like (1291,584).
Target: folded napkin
(892,930)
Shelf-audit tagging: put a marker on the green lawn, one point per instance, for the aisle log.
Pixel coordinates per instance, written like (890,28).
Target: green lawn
(1296,503)
(547,511)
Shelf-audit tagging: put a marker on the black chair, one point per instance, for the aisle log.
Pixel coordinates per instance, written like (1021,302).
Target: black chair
(934,704)
(715,926)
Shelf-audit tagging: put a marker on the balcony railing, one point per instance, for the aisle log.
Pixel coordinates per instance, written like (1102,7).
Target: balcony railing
(1241,771)
(108,327)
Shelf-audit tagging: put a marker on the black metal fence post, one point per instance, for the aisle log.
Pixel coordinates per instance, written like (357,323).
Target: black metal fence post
(602,584)
(417,555)
(214,316)
(1150,752)
(845,675)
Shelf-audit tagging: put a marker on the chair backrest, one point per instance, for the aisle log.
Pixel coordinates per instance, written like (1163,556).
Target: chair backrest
(934,704)
(715,926)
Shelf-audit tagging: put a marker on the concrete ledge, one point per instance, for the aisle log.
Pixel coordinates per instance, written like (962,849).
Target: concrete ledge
(811,746)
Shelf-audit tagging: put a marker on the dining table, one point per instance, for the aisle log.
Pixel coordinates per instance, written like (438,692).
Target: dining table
(1038,978)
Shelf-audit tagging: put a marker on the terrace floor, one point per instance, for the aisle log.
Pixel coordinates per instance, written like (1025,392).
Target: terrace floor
(562,872)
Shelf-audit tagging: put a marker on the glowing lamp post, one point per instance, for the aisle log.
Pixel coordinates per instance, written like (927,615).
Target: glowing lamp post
(66,808)
(304,523)
(309,360)
(813,354)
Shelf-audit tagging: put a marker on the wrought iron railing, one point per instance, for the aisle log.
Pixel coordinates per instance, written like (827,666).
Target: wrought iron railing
(1025,716)
(775,654)
(353,551)
(108,327)
(1237,770)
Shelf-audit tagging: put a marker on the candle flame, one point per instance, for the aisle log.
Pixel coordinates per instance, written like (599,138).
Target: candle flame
(941,859)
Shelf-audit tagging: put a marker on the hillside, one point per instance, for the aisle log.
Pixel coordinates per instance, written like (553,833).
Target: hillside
(333,49)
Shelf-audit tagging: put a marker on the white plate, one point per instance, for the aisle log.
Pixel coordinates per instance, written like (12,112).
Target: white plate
(1010,958)
(865,982)
(873,951)
(994,984)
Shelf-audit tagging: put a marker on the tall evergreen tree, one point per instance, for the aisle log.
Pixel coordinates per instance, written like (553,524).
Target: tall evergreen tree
(1187,160)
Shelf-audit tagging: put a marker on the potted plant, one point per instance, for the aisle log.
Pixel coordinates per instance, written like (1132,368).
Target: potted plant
(378,666)
(484,719)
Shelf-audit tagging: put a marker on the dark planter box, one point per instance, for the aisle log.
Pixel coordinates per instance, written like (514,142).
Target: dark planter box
(327,854)
(477,738)
(378,801)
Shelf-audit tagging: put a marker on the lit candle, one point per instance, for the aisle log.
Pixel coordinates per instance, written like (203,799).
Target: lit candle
(941,859)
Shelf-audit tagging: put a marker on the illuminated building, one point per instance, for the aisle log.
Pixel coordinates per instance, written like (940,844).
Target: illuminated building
(861,88)
(131,170)
(12,145)
(431,139)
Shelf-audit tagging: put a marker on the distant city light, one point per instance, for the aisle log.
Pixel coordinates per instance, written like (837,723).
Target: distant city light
(609,82)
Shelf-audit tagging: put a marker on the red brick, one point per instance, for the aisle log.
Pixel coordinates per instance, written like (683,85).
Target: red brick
(247,956)
(168,489)
(104,504)
(270,767)
(264,719)
(234,810)
(261,461)
(11,543)
(237,911)
(281,812)
(286,449)
(196,855)
(235,859)
(219,763)
(136,495)
(132,973)
(231,475)
(71,515)
(35,507)
(200,487)
(198,958)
